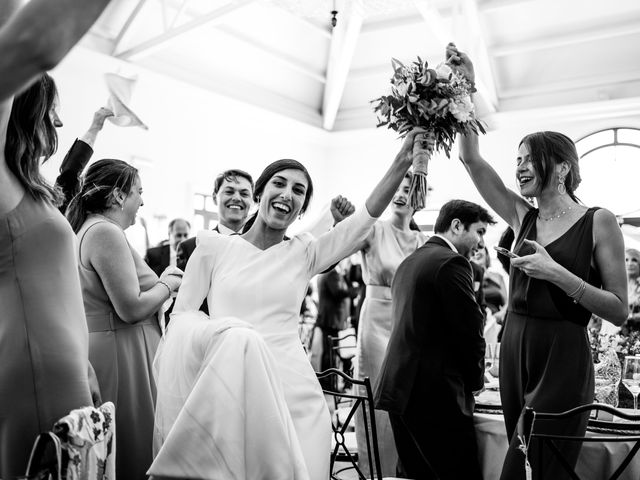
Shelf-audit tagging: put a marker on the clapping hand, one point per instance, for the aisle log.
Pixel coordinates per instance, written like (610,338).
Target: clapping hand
(460,62)
(341,208)
(538,265)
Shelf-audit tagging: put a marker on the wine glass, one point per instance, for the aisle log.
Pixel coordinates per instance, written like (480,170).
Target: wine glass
(631,378)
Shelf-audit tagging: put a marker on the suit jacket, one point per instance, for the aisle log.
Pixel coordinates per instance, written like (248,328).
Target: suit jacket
(437,328)
(74,162)
(333,300)
(158,258)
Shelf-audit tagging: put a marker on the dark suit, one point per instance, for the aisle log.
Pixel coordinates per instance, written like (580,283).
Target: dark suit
(434,362)
(159,258)
(74,162)
(334,296)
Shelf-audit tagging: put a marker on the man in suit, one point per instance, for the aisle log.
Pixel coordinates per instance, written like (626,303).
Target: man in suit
(435,357)
(165,254)
(334,306)
(233,195)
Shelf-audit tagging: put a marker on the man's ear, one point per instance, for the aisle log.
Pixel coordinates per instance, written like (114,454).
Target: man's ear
(215,199)
(456,226)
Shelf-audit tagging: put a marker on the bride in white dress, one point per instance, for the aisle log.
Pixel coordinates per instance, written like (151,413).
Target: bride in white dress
(237,397)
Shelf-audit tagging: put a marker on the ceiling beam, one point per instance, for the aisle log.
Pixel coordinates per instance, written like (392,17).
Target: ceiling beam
(436,26)
(479,52)
(387,24)
(343,45)
(287,60)
(127,25)
(151,45)
(543,88)
(548,43)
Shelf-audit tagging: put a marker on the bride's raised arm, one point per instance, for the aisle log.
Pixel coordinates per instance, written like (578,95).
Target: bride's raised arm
(347,237)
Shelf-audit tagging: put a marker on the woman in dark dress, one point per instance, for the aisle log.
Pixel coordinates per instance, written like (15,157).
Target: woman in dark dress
(571,264)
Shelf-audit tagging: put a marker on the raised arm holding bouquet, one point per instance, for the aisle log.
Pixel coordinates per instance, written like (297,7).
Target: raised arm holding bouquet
(438,100)
(570,264)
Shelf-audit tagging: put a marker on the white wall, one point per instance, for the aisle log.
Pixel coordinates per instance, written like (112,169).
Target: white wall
(194,134)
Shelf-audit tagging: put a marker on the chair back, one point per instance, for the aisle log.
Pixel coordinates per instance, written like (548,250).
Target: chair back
(343,456)
(605,432)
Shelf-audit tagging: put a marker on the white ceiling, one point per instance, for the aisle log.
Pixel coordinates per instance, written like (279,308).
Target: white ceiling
(284,56)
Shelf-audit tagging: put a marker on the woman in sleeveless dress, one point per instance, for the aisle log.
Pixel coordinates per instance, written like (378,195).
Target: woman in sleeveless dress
(212,420)
(571,264)
(386,246)
(43,334)
(122,296)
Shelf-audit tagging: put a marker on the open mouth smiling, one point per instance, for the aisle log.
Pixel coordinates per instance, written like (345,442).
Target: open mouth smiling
(524,180)
(281,207)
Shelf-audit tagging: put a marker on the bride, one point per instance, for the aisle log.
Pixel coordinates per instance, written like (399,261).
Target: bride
(237,396)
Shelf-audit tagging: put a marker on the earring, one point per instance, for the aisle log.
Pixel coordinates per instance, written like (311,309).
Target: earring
(561,188)
(122,206)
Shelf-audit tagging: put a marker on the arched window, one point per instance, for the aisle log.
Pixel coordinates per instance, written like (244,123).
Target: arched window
(610,170)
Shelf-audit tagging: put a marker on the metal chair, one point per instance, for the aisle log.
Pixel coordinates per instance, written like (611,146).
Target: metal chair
(606,432)
(343,350)
(342,452)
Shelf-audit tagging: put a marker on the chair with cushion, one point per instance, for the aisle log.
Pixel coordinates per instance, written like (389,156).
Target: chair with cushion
(603,432)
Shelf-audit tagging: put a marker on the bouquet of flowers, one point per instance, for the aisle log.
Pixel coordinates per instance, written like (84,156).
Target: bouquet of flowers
(438,100)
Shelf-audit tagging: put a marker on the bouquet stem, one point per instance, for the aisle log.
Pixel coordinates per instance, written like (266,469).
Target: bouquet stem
(421,154)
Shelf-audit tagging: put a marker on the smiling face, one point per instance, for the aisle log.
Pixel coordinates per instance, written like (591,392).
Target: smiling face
(234,200)
(400,202)
(468,240)
(526,175)
(283,197)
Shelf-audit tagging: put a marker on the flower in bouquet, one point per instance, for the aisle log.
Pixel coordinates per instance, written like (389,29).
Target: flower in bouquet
(438,100)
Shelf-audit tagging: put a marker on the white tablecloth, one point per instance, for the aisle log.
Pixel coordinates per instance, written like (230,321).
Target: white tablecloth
(597,460)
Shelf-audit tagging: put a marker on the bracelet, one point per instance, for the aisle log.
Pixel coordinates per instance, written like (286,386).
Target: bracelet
(165,284)
(576,291)
(577,296)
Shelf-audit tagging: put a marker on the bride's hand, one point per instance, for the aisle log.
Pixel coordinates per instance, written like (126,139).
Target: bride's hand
(460,62)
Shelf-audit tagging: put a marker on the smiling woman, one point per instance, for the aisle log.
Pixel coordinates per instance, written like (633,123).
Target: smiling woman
(254,284)
(386,246)
(121,296)
(571,264)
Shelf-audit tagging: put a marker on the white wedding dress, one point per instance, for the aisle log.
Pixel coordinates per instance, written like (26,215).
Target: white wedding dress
(237,396)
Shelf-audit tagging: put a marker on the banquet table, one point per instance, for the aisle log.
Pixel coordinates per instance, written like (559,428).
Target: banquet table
(597,460)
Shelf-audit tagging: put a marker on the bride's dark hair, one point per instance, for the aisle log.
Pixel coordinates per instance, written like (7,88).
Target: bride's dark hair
(270,171)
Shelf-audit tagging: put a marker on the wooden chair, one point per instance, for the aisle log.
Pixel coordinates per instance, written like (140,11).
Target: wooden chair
(606,432)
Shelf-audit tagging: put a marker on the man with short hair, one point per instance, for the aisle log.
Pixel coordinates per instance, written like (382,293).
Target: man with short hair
(435,357)
(165,254)
(233,194)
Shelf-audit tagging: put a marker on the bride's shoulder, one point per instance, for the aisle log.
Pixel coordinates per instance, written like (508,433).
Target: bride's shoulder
(209,238)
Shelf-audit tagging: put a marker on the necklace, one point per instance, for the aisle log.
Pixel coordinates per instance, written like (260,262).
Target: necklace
(553,217)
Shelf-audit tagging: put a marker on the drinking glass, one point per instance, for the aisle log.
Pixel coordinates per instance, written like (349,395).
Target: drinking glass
(631,378)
